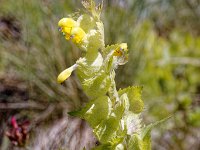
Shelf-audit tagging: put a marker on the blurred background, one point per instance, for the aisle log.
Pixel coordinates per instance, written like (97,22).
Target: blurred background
(163,37)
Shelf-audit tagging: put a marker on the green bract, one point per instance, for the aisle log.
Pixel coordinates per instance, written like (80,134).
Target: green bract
(134,95)
(91,111)
(97,85)
(113,115)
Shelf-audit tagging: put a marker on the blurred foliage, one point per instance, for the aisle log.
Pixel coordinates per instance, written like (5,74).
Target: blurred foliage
(164,42)
(40,53)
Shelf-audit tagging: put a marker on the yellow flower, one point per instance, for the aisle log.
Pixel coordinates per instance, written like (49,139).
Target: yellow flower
(67,30)
(64,75)
(66,25)
(67,22)
(121,49)
(77,34)
(70,29)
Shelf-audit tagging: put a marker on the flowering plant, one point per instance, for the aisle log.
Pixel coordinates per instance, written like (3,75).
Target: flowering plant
(113,114)
(18,134)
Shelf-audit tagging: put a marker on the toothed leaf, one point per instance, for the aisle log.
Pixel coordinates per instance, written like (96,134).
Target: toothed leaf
(136,143)
(86,22)
(84,70)
(95,111)
(94,45)
(100,29)
(121,106)
(106,130)
(109,49)
(97,86)
(134,95)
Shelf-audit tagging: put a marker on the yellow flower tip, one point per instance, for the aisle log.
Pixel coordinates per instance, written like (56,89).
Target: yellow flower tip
(64,75)
(67,22)
(77,34)
(117,52)
(121,49)
(124,47)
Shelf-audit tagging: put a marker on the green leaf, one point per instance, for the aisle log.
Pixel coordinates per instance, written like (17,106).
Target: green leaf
(109,60)
(97,86)
(109,49)
(136,143)
(133,143)
(95,111)
(95,42)
(121,106)
(147,129)
(94,45)
(108,146)
(100,29)
(109,65)
(92,8)
(119,147)
(106,130)
(146,142)
(86,22)
(104,147)
(84,70)
(134,95)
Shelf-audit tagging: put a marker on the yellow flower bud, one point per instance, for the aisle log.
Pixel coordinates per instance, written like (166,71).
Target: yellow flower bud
(77,34)
(64,75)
(124,47)
(121,49)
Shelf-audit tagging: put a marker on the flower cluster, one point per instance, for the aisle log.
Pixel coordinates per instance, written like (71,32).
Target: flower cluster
(71,30)
(18,134)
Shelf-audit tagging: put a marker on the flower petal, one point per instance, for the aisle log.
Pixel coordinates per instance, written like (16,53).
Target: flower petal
(67,22)
(78,34)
